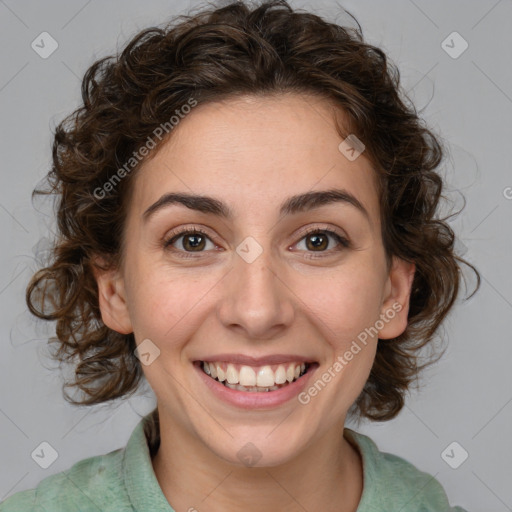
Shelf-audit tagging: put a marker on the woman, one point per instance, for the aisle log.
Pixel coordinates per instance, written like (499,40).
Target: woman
(247,220)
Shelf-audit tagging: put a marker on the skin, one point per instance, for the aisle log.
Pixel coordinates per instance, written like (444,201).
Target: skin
(253,153)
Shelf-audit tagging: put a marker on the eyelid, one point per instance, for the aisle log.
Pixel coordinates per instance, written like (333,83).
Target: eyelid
(183,231)
(342,239)
(321,227)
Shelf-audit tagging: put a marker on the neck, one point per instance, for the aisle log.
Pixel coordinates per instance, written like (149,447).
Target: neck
(328,475)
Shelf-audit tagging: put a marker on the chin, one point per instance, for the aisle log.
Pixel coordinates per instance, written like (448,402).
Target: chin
(257,448)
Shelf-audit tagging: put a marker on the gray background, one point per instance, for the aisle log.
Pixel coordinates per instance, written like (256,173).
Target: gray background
(468,100)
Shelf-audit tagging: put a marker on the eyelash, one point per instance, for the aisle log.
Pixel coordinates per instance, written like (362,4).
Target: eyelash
(339,238)
(198,231)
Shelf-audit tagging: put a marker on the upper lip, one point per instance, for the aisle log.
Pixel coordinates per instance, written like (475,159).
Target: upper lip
(257,361)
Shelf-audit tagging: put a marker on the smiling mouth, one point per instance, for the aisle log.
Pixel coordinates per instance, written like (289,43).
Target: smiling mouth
(255,379)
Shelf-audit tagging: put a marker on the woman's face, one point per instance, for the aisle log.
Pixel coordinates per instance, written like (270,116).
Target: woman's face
(256,293)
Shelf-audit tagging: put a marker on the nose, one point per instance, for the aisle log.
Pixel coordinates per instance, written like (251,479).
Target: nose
(257,300)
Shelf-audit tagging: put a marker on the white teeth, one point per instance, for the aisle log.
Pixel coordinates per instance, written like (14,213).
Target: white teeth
(265,377)
(220,374)
(232,374)
(280,375)
(247,376)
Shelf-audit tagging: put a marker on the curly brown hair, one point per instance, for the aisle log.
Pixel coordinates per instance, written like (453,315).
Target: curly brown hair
(215,54)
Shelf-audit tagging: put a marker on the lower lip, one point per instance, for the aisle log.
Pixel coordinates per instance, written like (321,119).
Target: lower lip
(259,399)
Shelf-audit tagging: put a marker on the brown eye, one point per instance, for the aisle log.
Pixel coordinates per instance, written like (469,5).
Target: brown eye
(193,240)
(318,240)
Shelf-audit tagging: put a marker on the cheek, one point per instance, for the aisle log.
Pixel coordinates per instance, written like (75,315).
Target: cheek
(345,305)
(165,307)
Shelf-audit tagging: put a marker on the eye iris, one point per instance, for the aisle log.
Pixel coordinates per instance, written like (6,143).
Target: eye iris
(319,240)
(194,245)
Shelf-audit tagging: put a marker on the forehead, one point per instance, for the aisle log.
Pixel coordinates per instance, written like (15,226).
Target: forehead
(253,153)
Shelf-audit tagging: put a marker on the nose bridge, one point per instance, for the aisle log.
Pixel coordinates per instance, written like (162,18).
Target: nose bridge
(256,299)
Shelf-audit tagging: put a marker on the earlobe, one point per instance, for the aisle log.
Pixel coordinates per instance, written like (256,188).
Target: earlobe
(395,307)
(112,299)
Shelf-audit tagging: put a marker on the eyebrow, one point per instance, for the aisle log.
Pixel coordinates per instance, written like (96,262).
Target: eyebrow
(292,205)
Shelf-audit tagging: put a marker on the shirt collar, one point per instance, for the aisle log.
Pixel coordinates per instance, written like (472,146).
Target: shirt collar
(370,458)
(140,480)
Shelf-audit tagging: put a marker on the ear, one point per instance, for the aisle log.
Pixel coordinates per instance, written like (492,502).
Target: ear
(395,307)
(112,298)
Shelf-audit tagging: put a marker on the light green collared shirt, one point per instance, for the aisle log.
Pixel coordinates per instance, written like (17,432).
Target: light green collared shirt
(124,481)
